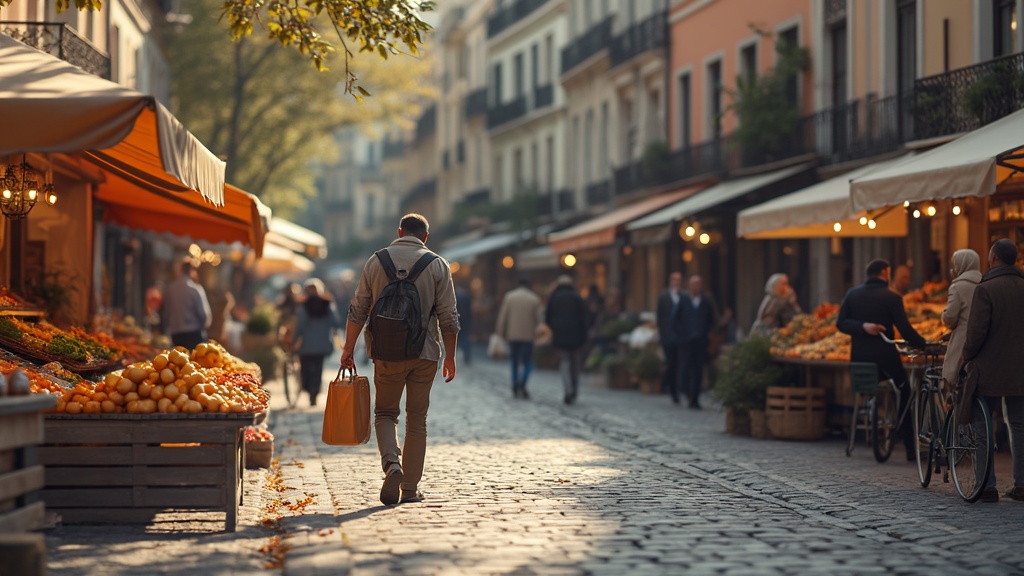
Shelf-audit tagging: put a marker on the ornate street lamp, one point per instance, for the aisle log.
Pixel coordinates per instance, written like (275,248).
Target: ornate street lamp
(20,188)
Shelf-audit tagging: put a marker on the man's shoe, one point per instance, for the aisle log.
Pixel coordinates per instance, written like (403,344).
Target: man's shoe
(989,495)
(1016,493)
(392,487)
(568,398)
(411,496)
(524,394)
(675,399)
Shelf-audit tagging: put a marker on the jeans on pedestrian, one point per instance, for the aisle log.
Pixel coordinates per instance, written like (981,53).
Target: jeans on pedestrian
(390,380)
(311,371)
(670,378)
(520,352)
(1013,415)
(569,365)
(692,370)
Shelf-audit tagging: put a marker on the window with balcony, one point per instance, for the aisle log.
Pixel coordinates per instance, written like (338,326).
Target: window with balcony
(604,161)
(549,58)
(906,61)
(714,98)
(1004,33)
(549,170)
(588,147)
(534,164)
(789,39)
(496,90)
(685,111)
(574,153)
(517,171)
(748,61)
(535,66)
(837,40)
(518,84)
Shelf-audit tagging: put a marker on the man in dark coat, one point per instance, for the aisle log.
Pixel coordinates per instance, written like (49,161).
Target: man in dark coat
(869,310)
(667,301)
(993,341)
(566,315)
(692,320)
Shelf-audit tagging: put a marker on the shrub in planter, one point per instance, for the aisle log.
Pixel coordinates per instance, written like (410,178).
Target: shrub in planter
(647,367)
(744,374)
(617,369)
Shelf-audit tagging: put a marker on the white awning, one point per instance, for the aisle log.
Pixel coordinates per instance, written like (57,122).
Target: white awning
(297,238)
(814,212)
(713,196)
(972,165)
(467,252)
(538,258)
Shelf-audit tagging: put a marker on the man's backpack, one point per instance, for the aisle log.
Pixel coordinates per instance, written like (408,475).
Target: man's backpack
(396,323)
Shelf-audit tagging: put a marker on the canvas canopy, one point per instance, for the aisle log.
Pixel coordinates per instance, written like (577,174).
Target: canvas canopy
(48,105)
(296,238)
(972,165)
(814,211)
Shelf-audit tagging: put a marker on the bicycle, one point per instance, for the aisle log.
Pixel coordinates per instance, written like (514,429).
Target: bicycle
(289,369)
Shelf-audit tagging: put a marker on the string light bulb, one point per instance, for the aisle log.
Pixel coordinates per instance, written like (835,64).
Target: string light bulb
(863,220)
(956,210)
(917,213)
(705,238)
(872,224)
(837,227)
(930,211)
(906,203)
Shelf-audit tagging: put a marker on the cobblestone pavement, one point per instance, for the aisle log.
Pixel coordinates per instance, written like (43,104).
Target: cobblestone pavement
(619,483)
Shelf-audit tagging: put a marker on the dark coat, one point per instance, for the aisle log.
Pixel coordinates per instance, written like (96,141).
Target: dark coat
(692,325)
(874,302)
(664,315)
(993,332)
(567,317)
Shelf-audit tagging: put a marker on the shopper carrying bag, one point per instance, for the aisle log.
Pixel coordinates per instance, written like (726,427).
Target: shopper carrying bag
(347,417)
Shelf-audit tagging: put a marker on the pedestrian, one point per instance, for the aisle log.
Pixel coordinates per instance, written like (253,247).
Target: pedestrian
(438,323)
(872,309)
(667,301)
(316,323)
(966,274)
(464,305)
(186,312)
(568,319)
(693,319)
(518,321)
(596,315)
(778,307)
(288,304)
(993,341)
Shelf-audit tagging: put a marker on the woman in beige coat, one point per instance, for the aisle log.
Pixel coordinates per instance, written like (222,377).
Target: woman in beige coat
(966,273)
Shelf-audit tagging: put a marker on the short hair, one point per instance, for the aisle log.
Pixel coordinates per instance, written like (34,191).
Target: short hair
(524,282)
(876,267)
(415,224)
(187,266)
(1005,250)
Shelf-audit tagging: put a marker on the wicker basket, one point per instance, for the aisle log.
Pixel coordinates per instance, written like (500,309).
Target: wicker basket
(259,453)
(795,413)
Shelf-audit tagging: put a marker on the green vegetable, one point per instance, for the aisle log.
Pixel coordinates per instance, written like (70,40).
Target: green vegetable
(9,330)
(69,348)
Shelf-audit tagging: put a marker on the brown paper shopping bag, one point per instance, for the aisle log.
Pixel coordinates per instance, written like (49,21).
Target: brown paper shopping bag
(347,416)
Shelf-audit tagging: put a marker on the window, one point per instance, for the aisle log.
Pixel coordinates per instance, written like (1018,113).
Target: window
(605,161)
(549,171)
(714,99)
(549,58)
(496,95)
(534,165)
(1005,27)
(462,63)
(588,148)
(517,171)
(574,153)
(789,39)
(370,216)
(627,132)
(518,85)
(498,178)
(839,72)
(535,65)
(906,44)
(685,112)
(748,61)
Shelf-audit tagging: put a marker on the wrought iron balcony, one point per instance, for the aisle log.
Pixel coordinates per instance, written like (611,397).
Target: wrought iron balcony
(476,103)
(556,202)
(543,96)
(598,193)
(641,37)
(505,113)
(566,200)
(507,17)
(427,123)
(591,42)
(62,41)
(704,159)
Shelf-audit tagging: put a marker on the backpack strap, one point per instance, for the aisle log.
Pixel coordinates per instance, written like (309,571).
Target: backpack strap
(420,266)
(387,263)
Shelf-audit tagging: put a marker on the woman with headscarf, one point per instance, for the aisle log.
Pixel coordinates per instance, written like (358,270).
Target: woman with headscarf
(314,336)
(778,307)
(966,274)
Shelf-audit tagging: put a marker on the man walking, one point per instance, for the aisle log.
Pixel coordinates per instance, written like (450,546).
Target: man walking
(667,301)
(518,319)
(869,310)
(692,320)
(993,341)
(405,258)
(566,315)
(186,311)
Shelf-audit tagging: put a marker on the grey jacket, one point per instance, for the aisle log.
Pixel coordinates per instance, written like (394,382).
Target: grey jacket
(316,334)
(520,315)
(958,310)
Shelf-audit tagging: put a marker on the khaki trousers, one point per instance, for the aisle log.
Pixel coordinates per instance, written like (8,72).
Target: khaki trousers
(391,379)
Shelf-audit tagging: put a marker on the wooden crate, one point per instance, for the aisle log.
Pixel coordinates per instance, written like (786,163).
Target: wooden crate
(126,468)
(21,430)
(795,413)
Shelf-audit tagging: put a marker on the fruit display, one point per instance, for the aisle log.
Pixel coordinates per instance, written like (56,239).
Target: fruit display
(254,434)
(931,292)
(169,383)
(11,301)
(74,348)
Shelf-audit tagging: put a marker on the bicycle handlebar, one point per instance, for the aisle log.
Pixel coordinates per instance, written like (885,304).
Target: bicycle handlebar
(910,350)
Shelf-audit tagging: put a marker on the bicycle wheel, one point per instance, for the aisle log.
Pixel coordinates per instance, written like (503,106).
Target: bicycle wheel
(883,423)
(924,431)
(290,381)
(970,450)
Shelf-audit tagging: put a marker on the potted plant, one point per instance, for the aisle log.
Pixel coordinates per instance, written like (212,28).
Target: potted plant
(616,368)
(744,374)
(995,94)
(647,367)
(260,329)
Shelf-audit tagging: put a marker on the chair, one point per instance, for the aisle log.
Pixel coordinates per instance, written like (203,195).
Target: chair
(864,381)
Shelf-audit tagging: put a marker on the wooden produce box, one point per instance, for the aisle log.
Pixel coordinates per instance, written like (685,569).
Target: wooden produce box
(126,468)
(21,430)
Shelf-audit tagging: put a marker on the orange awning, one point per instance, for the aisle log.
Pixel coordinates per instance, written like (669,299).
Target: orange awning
(183,214)
(601,231)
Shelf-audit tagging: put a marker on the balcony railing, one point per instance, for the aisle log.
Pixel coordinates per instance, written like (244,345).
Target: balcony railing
(62,41)
(421,191)
(566,200)
(641,37)
(543,96)
(505,113)
(591,42)
(477,197)
(508,16)
(476,103)
(557,202)
(427,123)
(598,193)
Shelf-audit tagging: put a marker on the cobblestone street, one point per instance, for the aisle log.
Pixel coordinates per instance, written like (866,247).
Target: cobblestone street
(619,483)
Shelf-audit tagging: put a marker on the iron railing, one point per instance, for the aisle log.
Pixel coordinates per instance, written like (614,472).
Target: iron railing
(598,193)
(476,103)
(641,37)
(566,200)
(505,113)
(506,17)
(591,42)
(543,96)
(60,40)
